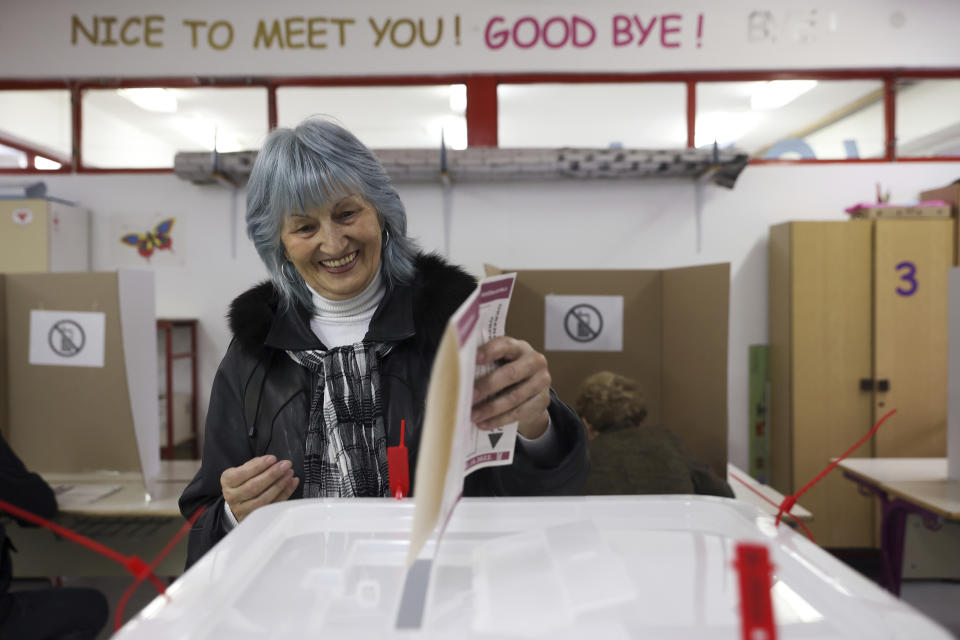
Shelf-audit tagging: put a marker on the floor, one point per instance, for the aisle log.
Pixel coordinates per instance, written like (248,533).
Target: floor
(937,599)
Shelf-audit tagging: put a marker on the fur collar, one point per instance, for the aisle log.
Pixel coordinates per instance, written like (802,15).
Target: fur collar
(438,289)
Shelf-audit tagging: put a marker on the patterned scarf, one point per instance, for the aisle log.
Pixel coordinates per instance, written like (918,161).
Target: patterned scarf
(345,454)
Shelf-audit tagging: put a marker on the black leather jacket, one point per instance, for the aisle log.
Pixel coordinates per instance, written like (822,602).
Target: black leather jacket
(259,403)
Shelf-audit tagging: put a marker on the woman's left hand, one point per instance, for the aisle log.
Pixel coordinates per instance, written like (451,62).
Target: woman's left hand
(516,391)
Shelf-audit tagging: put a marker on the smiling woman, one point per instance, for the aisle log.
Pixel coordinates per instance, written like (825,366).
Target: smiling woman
(335,248)
(333,354)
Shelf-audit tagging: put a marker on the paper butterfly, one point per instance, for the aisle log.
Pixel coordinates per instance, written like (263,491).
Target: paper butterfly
(151,241)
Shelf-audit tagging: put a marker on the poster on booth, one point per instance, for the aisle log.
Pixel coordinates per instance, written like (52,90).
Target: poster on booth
(67,338)
(451,446)
(583,323)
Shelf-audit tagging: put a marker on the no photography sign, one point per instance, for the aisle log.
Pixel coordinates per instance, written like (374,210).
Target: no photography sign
(583,323)
(67,338)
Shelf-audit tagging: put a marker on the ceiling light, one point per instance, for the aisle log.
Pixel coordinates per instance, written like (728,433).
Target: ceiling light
(777,93)
(152,99)
(45,164)
(458,98)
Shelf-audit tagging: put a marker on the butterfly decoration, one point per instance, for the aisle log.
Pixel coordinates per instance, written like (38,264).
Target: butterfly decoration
(147,243)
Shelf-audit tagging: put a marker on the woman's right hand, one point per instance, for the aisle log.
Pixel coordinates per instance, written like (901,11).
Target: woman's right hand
(256,483)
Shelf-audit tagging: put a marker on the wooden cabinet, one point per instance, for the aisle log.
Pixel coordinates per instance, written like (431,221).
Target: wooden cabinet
(858,326)
(44,236)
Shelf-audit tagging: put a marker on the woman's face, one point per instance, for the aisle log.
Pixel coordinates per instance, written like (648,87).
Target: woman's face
(335,248)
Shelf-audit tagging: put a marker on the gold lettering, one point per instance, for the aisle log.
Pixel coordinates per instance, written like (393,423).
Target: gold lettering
(267,38)
(193,24)
(217,25)
(393,33)
(423,37)
(108,40)
(313,30)
(341,23)
(380,34)
(123,31)
(292,31)
(150,30)
(77,24)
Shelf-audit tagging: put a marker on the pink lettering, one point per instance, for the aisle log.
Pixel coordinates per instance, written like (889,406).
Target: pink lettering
(555,32)
(495,39)
(644,31)
(546,31)
(577,23)
(536,32)
(622,35)
(666,30)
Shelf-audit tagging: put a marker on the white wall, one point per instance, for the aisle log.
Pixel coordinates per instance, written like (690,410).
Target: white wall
(589,225)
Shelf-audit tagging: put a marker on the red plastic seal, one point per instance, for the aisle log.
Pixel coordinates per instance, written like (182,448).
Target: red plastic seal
(398,464)
(756,605)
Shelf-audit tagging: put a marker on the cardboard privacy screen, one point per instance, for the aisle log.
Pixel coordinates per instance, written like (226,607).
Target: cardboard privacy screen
(76,401)
(674,340)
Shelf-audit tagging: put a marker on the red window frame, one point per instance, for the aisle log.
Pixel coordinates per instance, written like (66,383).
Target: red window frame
(482,108)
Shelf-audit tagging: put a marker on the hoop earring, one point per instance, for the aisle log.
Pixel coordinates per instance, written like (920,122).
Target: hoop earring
(386,240)
(283,271)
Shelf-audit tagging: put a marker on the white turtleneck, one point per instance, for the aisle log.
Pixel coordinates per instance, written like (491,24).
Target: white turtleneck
(342,322)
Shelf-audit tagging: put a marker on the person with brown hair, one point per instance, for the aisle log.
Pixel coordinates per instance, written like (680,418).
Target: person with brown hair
(630,457)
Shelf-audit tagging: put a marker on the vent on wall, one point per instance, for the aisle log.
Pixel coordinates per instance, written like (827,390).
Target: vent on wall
(494,164)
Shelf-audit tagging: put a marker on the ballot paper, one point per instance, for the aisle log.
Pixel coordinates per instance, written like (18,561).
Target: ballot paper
(451,446)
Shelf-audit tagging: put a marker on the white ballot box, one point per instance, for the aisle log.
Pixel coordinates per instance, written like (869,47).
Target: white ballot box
(594,567)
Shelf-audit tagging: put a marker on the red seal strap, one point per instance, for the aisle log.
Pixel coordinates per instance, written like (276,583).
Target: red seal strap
(398,464)
(756,605)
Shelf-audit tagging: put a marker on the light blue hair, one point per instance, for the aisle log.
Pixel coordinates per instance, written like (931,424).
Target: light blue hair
(302,169)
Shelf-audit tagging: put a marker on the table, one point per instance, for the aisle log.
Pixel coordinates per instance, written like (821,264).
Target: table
(124,520)
(560,568)
(120,519)
(905,486)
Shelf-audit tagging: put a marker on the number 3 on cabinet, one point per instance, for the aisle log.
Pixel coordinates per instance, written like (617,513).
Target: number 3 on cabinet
(908,273)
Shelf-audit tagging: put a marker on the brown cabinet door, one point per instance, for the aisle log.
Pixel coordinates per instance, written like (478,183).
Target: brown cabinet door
(24,236)
(831,352)
(911,259)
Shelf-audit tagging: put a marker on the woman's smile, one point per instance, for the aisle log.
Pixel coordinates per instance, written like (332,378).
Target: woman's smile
(340,265)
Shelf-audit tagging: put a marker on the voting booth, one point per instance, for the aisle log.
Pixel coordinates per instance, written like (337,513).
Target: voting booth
(665,328)
(78,372)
